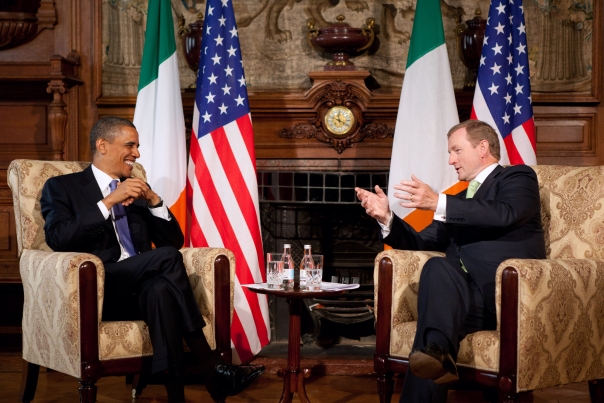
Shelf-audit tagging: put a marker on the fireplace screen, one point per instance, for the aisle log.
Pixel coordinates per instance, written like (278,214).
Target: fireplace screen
(320,209)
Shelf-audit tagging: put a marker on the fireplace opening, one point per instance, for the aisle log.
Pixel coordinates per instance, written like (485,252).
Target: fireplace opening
(320,209)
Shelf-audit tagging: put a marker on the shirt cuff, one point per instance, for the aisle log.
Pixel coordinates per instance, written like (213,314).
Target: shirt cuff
(103,209)
(441,208)
(386,228)
(161,212)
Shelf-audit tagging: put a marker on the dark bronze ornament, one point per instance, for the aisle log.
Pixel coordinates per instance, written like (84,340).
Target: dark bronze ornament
(22,20)
(470,38)
(342,40)
(191,43)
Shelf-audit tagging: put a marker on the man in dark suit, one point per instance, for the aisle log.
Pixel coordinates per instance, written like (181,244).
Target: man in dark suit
(103,210)
(497,218)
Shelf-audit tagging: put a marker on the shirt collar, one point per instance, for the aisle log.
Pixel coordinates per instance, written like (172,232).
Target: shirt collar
(482,176)
(102,179)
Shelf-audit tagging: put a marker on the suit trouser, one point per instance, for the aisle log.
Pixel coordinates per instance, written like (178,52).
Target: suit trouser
(452,304)
(153,286)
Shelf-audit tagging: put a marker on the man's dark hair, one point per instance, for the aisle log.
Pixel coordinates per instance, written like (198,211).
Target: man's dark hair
(108,128)
(477,131)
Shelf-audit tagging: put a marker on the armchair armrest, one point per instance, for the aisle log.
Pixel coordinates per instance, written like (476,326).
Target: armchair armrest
(560,327)
(52,316)
(396,282)
(212,275)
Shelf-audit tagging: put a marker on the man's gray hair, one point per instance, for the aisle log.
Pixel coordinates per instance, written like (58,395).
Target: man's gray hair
(477,131)
(108,128)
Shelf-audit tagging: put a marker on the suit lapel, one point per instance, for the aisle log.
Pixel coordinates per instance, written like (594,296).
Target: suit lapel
(90,187)
(482,190)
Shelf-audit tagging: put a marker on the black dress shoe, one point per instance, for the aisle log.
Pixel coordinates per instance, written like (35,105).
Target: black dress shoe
(434,363)
(230,380)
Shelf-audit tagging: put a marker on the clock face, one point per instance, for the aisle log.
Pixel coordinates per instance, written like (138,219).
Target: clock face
(339,120)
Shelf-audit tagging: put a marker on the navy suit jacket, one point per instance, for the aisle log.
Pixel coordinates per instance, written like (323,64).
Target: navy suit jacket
(502,221)
(74,222)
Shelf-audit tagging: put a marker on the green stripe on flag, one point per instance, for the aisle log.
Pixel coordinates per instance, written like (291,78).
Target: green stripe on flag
(159,40)
(428,32)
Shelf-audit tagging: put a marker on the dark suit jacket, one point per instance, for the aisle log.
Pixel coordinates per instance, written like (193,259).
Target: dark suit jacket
(501,221)
(74,222)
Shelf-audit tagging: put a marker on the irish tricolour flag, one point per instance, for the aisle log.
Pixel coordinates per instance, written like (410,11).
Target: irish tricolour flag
(426,112)
(158,116)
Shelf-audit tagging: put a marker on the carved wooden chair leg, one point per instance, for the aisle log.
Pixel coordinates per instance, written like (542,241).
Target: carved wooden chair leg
(139,382)
(29,381)
(596,390)
(385,387)
(88,391)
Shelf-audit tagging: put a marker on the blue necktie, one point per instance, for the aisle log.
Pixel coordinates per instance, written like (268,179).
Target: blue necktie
(121,223)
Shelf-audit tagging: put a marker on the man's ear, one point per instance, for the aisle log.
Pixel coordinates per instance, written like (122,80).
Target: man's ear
(484,148)
(100,145)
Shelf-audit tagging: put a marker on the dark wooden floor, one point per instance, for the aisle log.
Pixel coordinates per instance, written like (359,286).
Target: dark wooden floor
(57,388)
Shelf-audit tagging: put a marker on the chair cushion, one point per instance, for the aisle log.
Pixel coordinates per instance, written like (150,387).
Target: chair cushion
(124,339)
(478,350)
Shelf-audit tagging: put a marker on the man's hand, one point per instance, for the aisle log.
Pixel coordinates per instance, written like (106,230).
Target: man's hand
(130,190)
(375,204)
(418,194)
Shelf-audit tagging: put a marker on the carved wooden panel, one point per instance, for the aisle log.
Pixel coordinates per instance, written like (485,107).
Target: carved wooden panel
(4,231)
(9,263)
(566,136)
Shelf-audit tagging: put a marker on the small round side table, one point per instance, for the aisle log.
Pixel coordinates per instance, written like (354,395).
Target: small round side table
(293,376)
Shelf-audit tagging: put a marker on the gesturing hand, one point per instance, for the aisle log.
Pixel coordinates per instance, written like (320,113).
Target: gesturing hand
(375,204)
(417,194)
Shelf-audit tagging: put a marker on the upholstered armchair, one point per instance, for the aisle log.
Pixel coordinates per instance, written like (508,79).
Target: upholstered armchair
(550,313)
(63,292)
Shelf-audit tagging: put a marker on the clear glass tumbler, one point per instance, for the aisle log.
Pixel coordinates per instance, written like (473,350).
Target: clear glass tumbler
(274,271)
(314,277)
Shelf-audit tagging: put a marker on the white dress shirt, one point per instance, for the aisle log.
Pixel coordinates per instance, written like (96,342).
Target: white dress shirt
(441,209)
(103,180)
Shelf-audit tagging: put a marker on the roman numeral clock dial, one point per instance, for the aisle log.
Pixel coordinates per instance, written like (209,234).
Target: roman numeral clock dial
(339,120)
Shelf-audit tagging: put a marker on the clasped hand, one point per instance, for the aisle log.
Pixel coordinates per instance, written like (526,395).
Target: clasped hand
(416,194)
(130,190)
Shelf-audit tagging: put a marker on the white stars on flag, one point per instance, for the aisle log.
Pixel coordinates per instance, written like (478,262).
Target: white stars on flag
(503,76)
(496,69)
(221,67)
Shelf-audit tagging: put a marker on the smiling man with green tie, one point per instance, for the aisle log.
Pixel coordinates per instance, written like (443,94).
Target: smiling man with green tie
(497,218)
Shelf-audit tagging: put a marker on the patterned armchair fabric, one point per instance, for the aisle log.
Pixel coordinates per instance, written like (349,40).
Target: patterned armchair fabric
(560,320)
(51,314)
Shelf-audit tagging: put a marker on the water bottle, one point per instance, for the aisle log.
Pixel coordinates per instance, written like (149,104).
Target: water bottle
(306,264)
(288,267)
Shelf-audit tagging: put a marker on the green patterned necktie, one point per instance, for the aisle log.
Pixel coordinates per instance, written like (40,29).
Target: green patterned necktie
(472,188)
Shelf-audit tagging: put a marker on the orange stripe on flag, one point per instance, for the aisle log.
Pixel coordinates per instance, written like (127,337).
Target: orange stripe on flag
(179,209)
(420,219)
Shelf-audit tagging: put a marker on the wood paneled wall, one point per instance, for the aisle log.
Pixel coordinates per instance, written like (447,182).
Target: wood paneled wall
(570,128)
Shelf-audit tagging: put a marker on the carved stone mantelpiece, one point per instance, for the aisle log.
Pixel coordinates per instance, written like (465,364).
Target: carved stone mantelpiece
(346,90)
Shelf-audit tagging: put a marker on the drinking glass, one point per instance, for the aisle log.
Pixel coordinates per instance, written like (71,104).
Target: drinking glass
(315,275)
(274,271)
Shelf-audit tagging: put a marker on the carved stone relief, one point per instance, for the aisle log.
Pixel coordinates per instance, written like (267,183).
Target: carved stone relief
(273,33)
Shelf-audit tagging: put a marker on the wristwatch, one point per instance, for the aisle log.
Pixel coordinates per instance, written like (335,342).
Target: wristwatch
(159,204)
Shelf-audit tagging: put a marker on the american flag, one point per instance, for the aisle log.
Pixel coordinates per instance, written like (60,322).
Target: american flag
(222,192)
(503,88)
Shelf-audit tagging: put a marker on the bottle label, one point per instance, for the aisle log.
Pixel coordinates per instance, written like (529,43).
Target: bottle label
(288,274)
